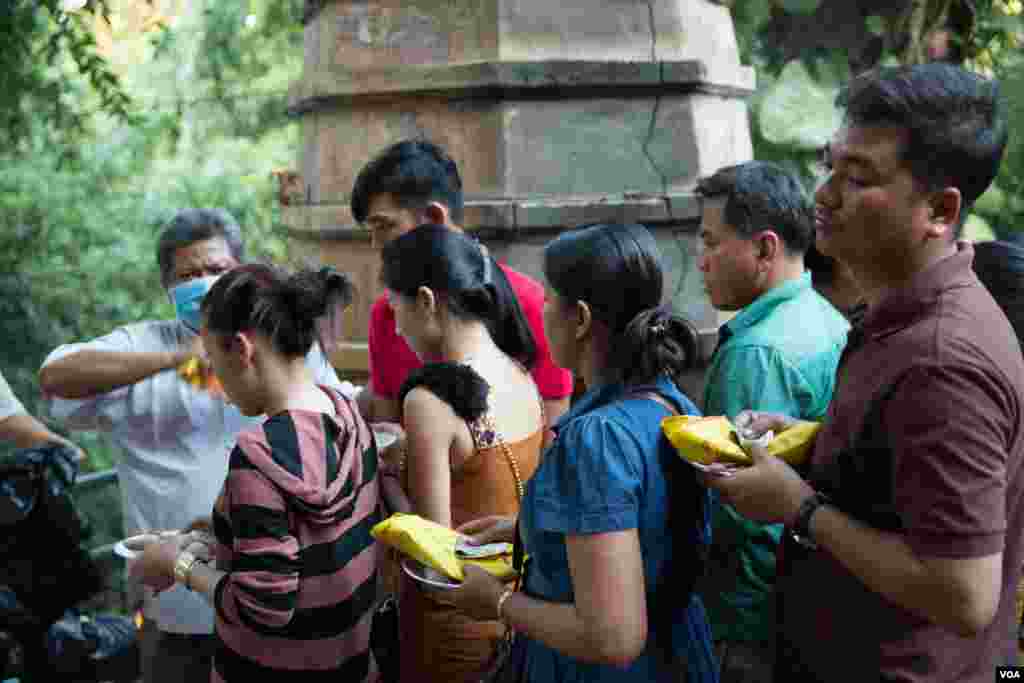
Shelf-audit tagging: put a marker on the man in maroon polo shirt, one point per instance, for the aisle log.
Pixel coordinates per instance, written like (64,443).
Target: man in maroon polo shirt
(903,549)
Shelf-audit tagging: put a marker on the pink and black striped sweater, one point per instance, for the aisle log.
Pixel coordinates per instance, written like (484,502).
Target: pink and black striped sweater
(293,532)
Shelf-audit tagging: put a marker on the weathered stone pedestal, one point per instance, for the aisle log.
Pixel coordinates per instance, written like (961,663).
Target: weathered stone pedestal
(558,113)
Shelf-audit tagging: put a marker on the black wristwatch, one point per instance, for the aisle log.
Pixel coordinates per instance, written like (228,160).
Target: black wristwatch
(801,530)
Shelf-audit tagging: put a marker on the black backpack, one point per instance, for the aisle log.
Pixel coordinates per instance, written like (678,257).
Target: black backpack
(41,533)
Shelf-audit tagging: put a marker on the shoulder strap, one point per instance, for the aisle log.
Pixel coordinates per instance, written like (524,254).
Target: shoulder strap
(653,395)
(673,659)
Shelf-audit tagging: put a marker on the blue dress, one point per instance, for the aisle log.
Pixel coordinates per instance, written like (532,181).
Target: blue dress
(603,473)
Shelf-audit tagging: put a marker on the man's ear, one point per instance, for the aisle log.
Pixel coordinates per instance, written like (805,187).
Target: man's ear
(769,245)
(437,213)
(584,320)
(426,300)
(944,207)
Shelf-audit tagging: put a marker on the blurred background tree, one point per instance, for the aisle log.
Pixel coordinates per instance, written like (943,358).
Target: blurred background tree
(804,51)
(52,77)
(116,113)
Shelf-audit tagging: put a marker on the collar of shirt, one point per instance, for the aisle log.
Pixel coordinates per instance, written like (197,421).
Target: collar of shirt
(609,392)
(762,307)
(899,308)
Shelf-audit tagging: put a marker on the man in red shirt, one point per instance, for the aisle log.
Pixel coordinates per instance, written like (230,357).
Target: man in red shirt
(906,531)
(411,183)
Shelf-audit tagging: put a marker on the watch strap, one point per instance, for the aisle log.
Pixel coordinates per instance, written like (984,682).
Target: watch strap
(801,530)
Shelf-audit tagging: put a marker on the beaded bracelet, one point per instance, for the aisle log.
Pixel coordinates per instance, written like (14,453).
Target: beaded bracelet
(501,601)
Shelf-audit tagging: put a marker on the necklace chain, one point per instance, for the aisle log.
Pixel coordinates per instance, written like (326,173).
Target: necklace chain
(512,462)
(488,421)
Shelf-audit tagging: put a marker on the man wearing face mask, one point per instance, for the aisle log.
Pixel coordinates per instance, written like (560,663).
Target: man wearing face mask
(173,434)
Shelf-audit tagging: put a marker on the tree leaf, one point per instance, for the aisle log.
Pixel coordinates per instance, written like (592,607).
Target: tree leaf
(875,25)
(977,229)
(797,111)
(992,202)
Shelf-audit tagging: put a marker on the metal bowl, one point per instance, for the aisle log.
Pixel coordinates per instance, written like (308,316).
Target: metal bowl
(426,575)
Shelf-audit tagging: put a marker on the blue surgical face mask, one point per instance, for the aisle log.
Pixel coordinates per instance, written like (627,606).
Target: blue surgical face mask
(188,297)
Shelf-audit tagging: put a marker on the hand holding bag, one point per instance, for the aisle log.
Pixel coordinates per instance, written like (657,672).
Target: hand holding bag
(506,665)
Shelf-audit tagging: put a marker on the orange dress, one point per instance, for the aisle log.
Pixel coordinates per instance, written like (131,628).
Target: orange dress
(437,642)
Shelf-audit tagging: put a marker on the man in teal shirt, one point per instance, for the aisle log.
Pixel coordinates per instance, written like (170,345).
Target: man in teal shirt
(778,354)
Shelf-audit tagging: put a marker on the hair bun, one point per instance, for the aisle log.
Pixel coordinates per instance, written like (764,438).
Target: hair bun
(337,289)
(458,385)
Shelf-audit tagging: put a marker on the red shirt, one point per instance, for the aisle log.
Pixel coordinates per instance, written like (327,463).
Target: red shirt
(391,359)
(944,469)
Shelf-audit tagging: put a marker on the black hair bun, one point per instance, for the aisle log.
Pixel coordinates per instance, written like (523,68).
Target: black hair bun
(458,385)
(300,301)
(337,289)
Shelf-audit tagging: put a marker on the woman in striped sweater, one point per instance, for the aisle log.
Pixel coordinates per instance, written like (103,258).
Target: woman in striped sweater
(292,570)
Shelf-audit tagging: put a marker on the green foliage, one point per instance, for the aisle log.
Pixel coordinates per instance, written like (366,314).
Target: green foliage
(78,231)
(797,111)
(50,71)
(1003,204)
(793,113)
(977,229)
(252,56)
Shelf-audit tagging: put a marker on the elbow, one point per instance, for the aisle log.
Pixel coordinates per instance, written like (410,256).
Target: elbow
(970,589)
(49,382)
(973,616)
(54,382)
(57,380)
(971,608)
(619,647)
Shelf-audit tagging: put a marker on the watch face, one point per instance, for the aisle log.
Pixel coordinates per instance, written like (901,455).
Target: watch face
(803,541)
(802,526)
(183,566)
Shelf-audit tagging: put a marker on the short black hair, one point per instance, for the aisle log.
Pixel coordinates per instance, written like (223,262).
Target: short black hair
(189,226)
(954,120)
(415,173)
(761,196)
(1000,267)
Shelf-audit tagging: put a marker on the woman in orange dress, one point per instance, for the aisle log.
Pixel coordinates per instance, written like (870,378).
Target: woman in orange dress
(473,421)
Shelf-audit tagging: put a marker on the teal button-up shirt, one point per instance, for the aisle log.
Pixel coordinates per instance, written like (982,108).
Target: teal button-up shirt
(779,354)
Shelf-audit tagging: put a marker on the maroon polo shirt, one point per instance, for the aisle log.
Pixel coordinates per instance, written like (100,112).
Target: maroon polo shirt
(924,438)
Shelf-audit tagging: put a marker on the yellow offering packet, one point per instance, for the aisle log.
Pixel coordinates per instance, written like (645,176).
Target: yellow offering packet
(434,545)
(199,375)
(707,440)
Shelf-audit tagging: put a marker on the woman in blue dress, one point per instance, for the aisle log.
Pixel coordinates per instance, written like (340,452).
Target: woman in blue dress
(615,524)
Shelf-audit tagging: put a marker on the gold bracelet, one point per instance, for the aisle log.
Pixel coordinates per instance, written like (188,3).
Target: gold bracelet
(501,601)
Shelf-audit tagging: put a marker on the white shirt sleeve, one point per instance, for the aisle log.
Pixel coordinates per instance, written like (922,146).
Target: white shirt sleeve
(9,403)
(100,411)
(324,373)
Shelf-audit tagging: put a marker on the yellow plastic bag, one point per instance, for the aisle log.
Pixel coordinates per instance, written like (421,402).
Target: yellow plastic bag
(434,545)
(707,440)
(201,376)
